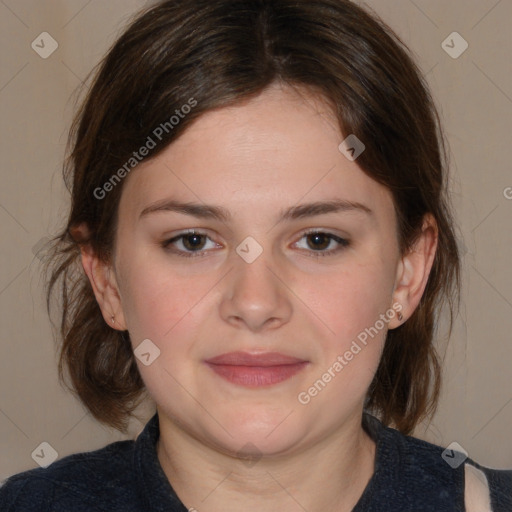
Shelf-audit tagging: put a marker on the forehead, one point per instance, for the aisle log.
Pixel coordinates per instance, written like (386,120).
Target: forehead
(277,149)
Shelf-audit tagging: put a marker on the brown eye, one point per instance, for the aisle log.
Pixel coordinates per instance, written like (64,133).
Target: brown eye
(193,242)
(318,241)
(189,244)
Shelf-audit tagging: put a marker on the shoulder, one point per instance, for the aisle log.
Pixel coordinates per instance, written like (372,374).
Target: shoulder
(423,474)
(437,461)
(427,468)
(411,462)
(499,484)
(82,481)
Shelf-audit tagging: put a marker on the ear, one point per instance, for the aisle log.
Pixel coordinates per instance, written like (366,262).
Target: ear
(413,270)
(102,278)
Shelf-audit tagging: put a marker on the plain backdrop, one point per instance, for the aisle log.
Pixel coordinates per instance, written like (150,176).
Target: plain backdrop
(474,95)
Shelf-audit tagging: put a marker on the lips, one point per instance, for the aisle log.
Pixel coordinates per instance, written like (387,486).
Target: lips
(246,359)
(255,370)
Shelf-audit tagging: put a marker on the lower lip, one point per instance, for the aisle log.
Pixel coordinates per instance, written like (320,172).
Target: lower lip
(257,376)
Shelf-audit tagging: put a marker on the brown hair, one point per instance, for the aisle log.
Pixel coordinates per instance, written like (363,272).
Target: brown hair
(222,52)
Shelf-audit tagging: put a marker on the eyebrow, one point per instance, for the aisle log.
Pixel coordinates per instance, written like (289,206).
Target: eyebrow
(205,211)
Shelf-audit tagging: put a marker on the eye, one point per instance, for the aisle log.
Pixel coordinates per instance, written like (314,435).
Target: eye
(318,241)
(194,243)
(191,242)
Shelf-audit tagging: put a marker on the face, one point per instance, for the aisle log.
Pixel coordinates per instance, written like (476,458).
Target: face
(253,309)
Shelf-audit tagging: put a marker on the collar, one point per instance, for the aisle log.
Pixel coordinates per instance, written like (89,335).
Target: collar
(157,494)
(155,491)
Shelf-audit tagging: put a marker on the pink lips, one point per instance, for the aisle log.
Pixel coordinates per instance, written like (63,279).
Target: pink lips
(255,370)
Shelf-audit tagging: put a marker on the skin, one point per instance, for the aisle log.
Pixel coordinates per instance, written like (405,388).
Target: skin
(255,159)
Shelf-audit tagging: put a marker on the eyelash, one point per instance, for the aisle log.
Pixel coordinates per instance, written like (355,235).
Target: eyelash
(342,244)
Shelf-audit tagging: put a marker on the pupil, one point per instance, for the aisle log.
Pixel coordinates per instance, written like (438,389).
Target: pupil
(320,236)
(193,245)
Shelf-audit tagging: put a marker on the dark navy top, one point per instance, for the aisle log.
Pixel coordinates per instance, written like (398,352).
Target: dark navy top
(126,476)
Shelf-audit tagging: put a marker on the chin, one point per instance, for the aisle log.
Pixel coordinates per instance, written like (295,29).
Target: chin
(257,436)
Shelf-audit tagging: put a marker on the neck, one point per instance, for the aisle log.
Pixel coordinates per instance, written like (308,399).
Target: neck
(329,476)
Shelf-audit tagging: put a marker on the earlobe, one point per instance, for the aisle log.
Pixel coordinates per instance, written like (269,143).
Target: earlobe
(414,269)
(104,285)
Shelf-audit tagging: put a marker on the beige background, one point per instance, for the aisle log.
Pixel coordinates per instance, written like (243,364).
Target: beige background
(474,93)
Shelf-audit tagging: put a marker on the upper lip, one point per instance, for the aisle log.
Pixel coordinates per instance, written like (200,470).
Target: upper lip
(247,359)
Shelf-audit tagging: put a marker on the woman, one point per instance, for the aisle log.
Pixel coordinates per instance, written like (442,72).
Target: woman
(260,240)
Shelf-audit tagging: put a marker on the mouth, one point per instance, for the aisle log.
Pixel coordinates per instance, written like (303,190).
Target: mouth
(256,370)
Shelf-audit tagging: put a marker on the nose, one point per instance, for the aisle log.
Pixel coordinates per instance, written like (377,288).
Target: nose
(256,296)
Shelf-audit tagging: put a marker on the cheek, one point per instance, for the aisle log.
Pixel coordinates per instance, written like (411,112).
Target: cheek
(351,300)
(160,305)
(351,306)
(166,310)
